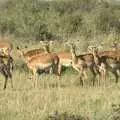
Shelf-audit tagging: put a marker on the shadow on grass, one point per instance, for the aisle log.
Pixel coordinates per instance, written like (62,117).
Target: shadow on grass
(65,116)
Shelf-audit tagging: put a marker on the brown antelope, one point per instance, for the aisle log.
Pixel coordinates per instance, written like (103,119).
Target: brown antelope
(107,60)
(32,53)
(99,63)
(5,48)
(35,52)
(43,62)
(112,60)
(65,59)
(29,54)
(81,62)
(5,69)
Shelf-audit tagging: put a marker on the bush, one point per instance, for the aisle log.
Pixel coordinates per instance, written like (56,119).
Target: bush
(40,20)
(107,20)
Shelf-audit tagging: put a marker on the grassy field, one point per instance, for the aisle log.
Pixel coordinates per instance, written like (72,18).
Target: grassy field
(24,102)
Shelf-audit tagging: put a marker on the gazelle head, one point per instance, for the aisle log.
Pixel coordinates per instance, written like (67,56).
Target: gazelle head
(46,45)
(114,46)
(21,52)
(72,47)
(92,49)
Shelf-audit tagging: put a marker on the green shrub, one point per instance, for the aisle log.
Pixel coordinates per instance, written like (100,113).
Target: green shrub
(40,20)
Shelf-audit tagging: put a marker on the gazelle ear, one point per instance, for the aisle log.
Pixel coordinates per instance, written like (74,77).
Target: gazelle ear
(114,44)
(77,42)
(51,42)
(41,42)
(100,47)
(90,48)
(21,52)
(72,45)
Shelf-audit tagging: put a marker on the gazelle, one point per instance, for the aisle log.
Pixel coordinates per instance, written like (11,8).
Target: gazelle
(65,58)
(5,69)
(108,60)
(43,62)
(81,62)
(100,64)
(5,48)
(113,62)
(27,56)
(34,52)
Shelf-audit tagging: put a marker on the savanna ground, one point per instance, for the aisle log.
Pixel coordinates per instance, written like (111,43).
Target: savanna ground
(26,22)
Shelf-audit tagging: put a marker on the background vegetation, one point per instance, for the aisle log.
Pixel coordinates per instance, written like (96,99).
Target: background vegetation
(58,20)
(26,22)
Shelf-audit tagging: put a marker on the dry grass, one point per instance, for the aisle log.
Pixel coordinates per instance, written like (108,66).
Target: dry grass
(25,102)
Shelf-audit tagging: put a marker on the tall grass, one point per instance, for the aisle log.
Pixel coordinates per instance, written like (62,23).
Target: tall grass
(24,102)
(58,20)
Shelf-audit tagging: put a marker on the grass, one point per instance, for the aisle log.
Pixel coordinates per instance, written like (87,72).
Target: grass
(27,103)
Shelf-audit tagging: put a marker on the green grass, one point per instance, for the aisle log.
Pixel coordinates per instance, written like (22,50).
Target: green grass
(24,102)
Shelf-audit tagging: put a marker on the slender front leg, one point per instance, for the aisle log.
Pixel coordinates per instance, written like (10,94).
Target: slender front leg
(59,69)
(34,76)
(81,76)
(93,71)
(105,77)
(10,76)
(11,83)
(5,83)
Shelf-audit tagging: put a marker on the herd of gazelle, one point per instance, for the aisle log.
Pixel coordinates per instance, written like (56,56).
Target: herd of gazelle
(97,62)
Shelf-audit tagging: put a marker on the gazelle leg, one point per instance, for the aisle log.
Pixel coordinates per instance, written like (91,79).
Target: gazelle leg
(85,76)
(51,70)
(11,83)
(99,79)
(94,75)
(81,76)
(101,72)
(34,76)
(59,69)
(10,76)
(5,83)
(116,75)
(105,77)
(58,73)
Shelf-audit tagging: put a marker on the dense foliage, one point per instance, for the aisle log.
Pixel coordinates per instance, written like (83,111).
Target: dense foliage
(39,20)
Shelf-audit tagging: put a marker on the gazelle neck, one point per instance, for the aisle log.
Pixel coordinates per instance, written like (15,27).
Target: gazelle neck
(46,48)
(96,57)
(74,56)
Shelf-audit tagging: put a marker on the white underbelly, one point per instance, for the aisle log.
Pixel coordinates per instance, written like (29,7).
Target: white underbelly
(66,63)
(43,66)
